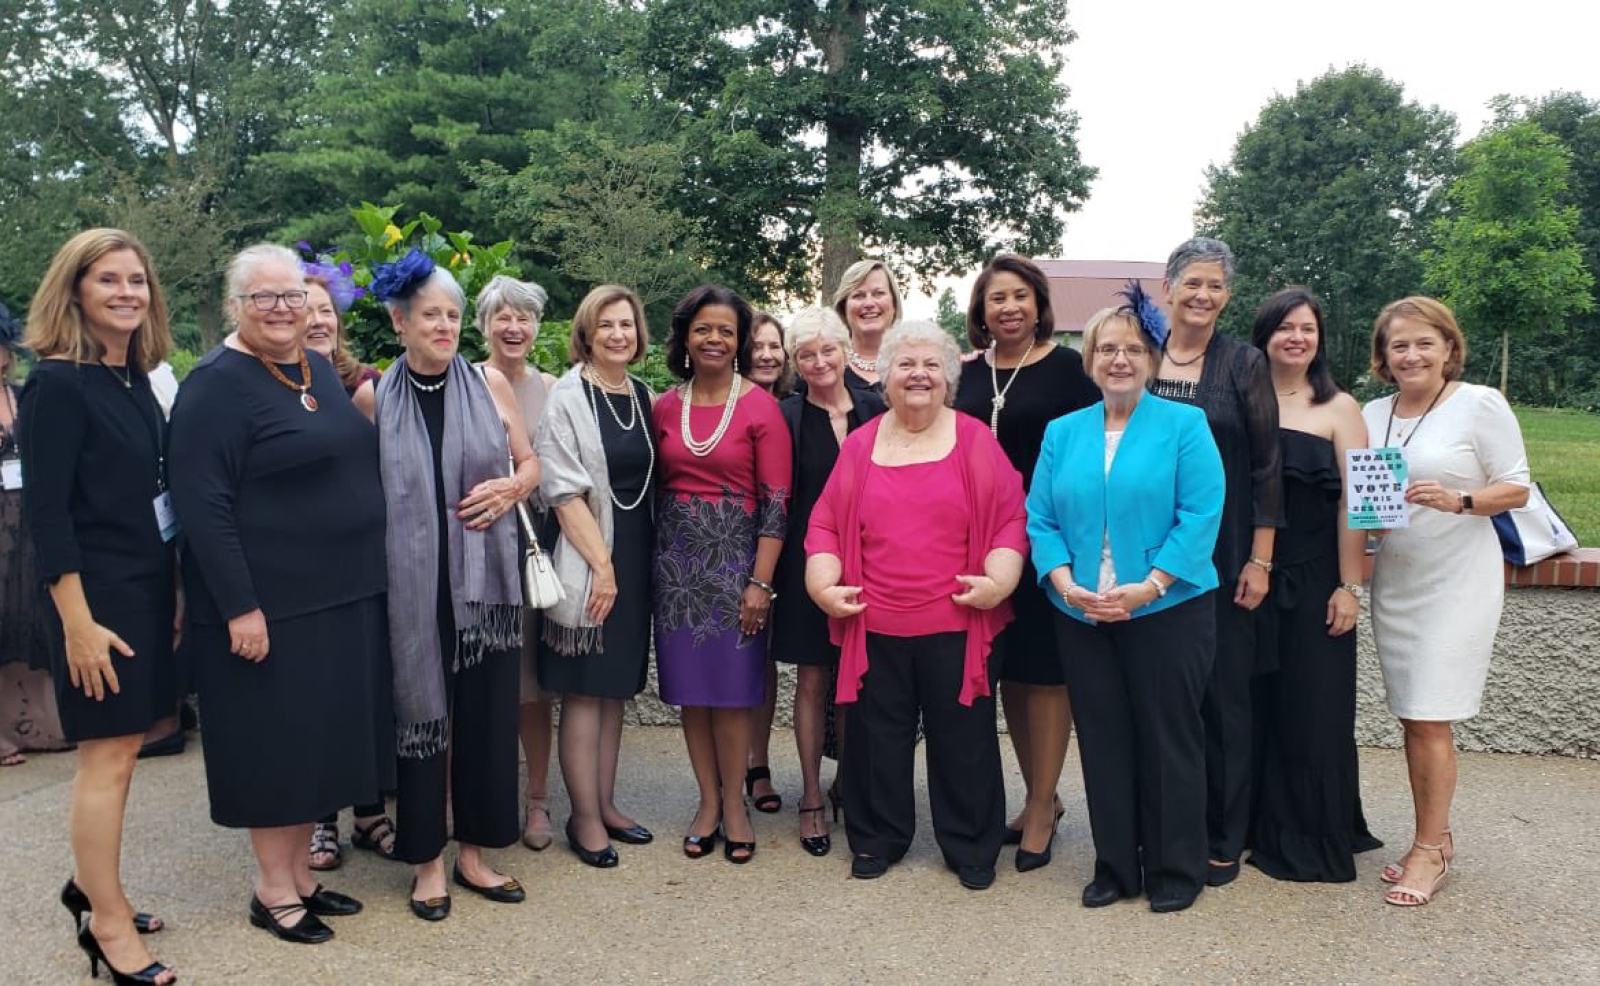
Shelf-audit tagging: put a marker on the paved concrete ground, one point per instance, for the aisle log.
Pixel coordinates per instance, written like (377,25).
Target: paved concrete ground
(1521,907)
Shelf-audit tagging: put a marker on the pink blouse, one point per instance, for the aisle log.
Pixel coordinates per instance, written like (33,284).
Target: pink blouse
(754,460)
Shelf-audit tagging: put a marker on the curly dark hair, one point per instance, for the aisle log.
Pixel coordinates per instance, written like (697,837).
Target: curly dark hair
(683,315)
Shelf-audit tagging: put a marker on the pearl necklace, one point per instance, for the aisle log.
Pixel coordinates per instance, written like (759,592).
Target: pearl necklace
(705,448)
(596,382)
(427,388)
(999,399)
(635,418)
(860,362)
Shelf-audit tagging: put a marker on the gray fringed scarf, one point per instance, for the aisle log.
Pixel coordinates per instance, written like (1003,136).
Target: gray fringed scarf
(486,589)
(572,463)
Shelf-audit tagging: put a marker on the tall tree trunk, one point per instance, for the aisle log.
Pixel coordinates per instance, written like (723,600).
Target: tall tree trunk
(1505,359)
(839,210)
(208,312)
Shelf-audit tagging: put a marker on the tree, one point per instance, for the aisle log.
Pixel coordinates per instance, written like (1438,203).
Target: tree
(932,129)
(1508,258)
(952,319)
(600,205)
(1336,188)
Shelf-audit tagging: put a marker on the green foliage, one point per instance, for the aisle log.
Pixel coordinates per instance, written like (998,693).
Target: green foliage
(382,239)
(1564,455)
(1335,188)
(1508,260)
(952,318)
(181,361)
(933,130)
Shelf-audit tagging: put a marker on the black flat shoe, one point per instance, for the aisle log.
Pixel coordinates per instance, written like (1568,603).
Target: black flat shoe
(309,930)
(601,859)
(326,903)
(77,904)
(1101,892)
(1029,861)
(769,804)
(169,745)
(510,892)
(1221,876)
(147,976)
(868,867)
(633,835)
(976,877)
(1168,901)
(432,909)
(816,845)
(701,846)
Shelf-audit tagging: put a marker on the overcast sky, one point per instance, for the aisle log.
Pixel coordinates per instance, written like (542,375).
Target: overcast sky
(1162,88)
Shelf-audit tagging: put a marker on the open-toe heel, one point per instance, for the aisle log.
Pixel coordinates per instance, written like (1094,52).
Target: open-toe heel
(816,845)
(77,904)
(1395,872)
(1401,895)
(147,976)
(768,804)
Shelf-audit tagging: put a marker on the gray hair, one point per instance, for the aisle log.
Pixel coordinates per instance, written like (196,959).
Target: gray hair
(1200,250)
(245,263)
(504,291)
(921,332)
(439,278)
(814,324)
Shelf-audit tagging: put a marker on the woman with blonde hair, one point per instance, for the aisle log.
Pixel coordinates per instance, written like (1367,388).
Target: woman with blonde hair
(868,301)
(93,441)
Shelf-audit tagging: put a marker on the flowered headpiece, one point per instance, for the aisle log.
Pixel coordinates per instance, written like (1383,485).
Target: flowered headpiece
(395,281)
(1152,320)
(342,287)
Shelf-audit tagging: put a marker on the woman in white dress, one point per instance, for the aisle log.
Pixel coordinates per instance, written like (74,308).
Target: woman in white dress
(1438,585)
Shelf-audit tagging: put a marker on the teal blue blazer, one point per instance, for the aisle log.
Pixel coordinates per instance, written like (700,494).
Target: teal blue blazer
(1161,502)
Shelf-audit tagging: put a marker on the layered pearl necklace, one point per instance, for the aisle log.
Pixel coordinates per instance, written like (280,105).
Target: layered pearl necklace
(860,362)
(705,448)
(637,415)
(999,399)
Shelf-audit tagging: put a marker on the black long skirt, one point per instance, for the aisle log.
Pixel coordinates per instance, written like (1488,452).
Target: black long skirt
(305,732)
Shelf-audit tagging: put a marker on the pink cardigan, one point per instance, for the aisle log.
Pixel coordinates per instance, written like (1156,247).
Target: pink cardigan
(993,489)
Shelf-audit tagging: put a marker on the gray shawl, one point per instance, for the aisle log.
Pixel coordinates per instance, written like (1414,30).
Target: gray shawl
(572,463)
(485,582)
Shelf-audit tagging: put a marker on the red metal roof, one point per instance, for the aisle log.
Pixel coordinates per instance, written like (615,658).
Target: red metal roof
(1079,288)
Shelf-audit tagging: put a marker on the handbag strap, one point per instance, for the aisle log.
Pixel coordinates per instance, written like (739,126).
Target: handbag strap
(527,527)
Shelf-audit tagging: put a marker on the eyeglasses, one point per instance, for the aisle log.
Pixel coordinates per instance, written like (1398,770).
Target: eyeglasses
(1134,351)
(266,301)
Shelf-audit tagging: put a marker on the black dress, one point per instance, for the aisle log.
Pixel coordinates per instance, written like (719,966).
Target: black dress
(1026,649)
(1308,822)
(91,439)
(24,638)
(799,628)
(282,511)
(617,671)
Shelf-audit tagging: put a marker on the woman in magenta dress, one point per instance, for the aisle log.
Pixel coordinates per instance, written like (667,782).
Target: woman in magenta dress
(725,470)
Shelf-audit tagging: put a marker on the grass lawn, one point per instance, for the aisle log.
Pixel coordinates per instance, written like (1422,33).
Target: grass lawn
(1564,453)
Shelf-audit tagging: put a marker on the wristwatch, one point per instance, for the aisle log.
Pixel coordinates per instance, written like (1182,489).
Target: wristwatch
(1354,588)
(1466,502)
(1265,566)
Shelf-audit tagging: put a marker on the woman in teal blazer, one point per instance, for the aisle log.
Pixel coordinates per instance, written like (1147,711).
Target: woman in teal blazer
(1122,516)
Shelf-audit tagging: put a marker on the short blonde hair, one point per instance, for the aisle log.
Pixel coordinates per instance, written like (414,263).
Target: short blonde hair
(580,344)
(1429,312)
(55,316)
(813,324)
(853,277)
(923,333)
(1091,338)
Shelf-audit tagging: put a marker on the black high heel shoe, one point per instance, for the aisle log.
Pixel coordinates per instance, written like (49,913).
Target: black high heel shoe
(602,859)
(816,845)
(1029,861)
(77,904)
(147,976)
(769,804)
(1014,836)
(701,846)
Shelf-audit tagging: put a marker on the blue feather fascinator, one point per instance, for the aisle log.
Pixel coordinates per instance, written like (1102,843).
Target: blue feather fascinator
(1151,318)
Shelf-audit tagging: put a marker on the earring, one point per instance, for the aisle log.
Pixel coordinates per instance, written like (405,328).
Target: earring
(735,362)
(686,363)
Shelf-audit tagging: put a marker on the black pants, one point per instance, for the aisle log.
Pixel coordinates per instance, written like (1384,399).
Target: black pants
(481,761)
(1136,689)
(361,811)
(965,789)
(1230,729)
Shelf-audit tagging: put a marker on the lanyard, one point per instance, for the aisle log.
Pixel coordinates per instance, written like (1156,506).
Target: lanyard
(1420,420)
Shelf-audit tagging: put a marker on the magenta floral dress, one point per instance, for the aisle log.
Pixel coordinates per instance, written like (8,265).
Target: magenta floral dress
(709,515)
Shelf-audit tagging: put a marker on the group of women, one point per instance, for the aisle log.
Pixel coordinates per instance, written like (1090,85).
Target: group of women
(1154,528)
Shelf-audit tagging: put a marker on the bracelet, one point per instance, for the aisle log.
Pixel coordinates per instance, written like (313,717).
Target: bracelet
(1155,583)
(763,586)
(1067,592)
(1354,588)
(1265,566)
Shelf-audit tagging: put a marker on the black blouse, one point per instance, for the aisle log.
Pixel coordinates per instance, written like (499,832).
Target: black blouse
(1235,391)
(1041,393)
(91,461)
(282,508)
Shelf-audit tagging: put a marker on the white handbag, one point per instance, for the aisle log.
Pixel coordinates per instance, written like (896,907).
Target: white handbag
(1533,532)
(540,587)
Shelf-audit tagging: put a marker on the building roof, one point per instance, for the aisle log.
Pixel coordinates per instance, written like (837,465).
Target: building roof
(1079,288)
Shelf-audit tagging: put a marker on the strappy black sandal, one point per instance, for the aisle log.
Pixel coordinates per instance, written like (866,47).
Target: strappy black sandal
(374,836)
(769,804)
(325,842)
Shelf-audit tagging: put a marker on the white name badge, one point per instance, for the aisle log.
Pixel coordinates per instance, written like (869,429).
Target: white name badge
(11,473)
(166,517)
